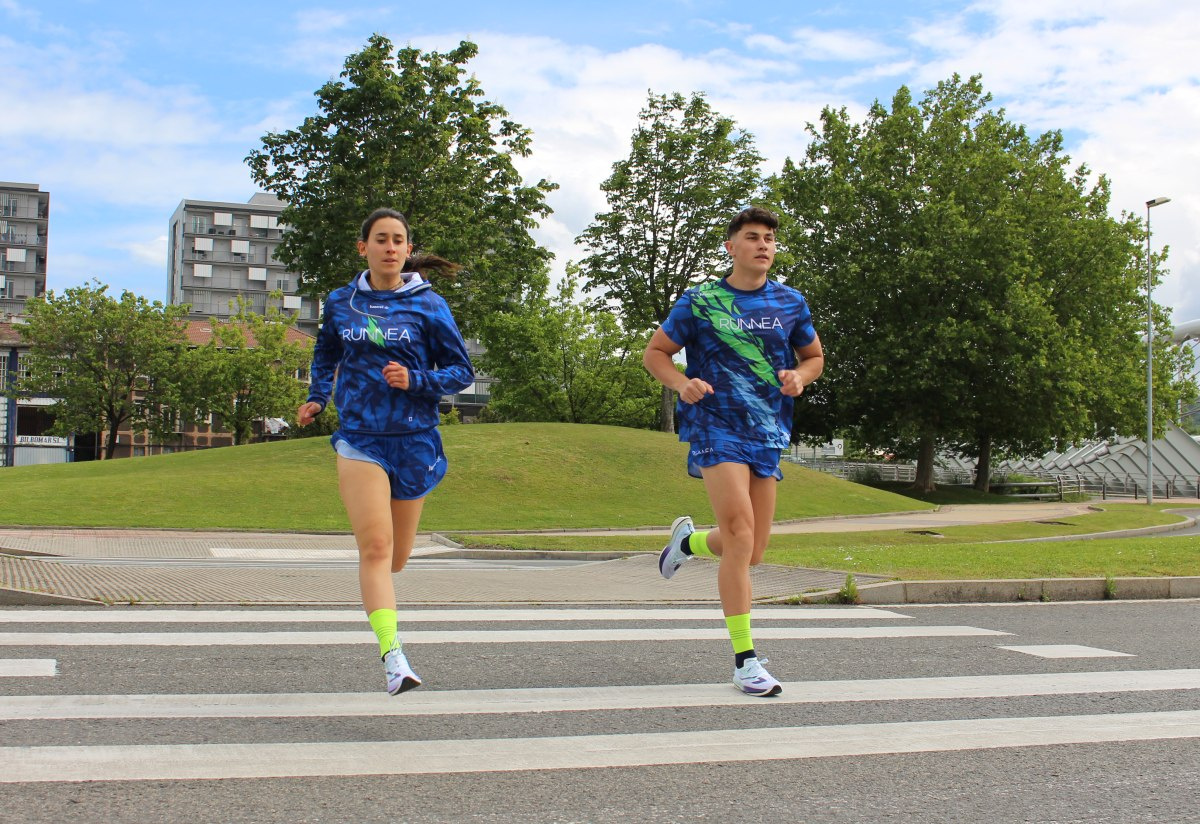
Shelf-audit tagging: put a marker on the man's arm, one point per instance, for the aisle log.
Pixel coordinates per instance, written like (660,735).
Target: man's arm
(811,363)
(658,362)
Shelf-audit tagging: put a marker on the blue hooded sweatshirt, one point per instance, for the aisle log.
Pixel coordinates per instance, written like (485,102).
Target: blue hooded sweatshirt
(361,330)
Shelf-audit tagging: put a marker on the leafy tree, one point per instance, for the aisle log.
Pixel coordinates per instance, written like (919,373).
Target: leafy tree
(247,371)
(408,131)
(971,291)
(689,171)
(108,363)
(558,360)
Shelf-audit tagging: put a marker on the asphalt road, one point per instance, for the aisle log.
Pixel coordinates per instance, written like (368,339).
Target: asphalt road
(937,714)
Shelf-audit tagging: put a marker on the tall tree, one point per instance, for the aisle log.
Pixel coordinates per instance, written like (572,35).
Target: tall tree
(107,363)
(412,132)
(689,171)
(555,359)
(248,371)
(971,291)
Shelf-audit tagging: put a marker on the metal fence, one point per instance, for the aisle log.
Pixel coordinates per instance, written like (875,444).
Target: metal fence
(1042,485)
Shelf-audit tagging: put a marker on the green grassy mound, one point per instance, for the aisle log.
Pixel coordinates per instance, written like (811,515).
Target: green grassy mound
(502,476)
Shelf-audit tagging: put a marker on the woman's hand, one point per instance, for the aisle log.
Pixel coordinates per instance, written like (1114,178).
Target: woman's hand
(396,375)
(308,412)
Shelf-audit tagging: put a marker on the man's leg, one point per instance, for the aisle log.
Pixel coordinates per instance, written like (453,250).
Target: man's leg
(728,488)
(745,507)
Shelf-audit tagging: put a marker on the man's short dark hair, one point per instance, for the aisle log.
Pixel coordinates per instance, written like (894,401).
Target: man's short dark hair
(755,214)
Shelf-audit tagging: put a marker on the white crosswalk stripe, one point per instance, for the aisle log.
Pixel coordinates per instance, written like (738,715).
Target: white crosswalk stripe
(498,636)
(155,761)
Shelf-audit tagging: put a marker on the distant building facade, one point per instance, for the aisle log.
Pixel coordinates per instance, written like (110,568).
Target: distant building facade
(24,422)
(217,251)
(24,230)
(206,434)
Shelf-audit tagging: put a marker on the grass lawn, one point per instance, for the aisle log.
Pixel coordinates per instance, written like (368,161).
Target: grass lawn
(984,551)
(502,476)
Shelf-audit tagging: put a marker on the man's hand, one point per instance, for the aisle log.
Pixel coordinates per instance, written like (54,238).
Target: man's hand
(694,390)
(791,384)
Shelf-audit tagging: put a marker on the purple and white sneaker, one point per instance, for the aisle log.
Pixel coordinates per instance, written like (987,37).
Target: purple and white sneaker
(752,679)
(672,557)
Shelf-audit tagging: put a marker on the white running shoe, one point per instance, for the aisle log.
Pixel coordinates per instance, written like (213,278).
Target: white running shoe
(672,557)
(400,676)
(752,679)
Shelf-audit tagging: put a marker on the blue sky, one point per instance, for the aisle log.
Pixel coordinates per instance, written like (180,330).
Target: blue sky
(122,109)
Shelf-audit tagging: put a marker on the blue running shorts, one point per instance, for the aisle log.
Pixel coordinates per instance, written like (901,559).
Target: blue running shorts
(414,461)
(762,460)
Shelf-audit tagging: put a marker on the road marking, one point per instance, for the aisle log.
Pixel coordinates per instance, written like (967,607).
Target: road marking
(241,639)
(140,615)
(1068,651)
(26,667)
(295,759)
(582,699)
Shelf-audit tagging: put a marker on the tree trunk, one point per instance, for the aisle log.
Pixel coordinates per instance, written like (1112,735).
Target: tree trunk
(924,481)
(111,446)
(983,466)
(666,411)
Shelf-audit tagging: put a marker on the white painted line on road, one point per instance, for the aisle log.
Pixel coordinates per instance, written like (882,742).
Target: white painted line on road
(1068,651)
(516,636)
(166,762)
(581,699)
(27,667)
(289,554)
(140,615)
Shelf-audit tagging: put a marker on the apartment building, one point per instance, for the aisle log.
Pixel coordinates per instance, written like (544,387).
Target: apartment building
(24,220)
(218,251)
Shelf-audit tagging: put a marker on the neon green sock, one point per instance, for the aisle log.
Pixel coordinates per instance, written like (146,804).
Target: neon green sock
(739,632)
(698,544)
(383,621)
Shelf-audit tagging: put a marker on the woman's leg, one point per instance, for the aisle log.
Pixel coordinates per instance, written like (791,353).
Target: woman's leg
(405,517)
(367,496)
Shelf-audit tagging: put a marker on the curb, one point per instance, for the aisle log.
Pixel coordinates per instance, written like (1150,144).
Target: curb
(1015,590)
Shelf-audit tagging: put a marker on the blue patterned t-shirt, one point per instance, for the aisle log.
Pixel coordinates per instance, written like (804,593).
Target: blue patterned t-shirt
(738,341)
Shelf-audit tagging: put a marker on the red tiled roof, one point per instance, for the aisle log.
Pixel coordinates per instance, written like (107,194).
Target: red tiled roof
(199,332)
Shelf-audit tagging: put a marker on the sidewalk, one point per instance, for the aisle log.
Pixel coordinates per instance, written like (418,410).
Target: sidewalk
(107,566)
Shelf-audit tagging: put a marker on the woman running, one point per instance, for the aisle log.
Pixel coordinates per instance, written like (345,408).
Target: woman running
(395,350)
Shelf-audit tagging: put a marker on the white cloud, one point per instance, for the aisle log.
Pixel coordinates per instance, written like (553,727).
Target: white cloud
(1121,76)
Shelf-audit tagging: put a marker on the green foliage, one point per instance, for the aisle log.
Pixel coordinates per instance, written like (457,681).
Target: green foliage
(451,417)
(559,360)
(413,132)
(247,371)
(689,171)
(848,594)
(971,290)
(1110,587)
(107,362)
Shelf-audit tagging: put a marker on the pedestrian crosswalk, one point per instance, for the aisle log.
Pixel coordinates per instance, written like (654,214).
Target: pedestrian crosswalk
(789,727)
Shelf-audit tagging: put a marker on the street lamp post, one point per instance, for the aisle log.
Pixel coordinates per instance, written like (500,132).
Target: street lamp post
(1150,204)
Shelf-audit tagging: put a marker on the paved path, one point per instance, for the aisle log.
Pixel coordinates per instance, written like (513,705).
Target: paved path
(179,567)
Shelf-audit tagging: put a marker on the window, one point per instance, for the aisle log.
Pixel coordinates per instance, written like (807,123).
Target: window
(259,221)
(222,219)
(281,284)
(202,244)
(239,247)
(198,225)
(258,273)
(202,270)
(17,255)
(3,371)
(291,301)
